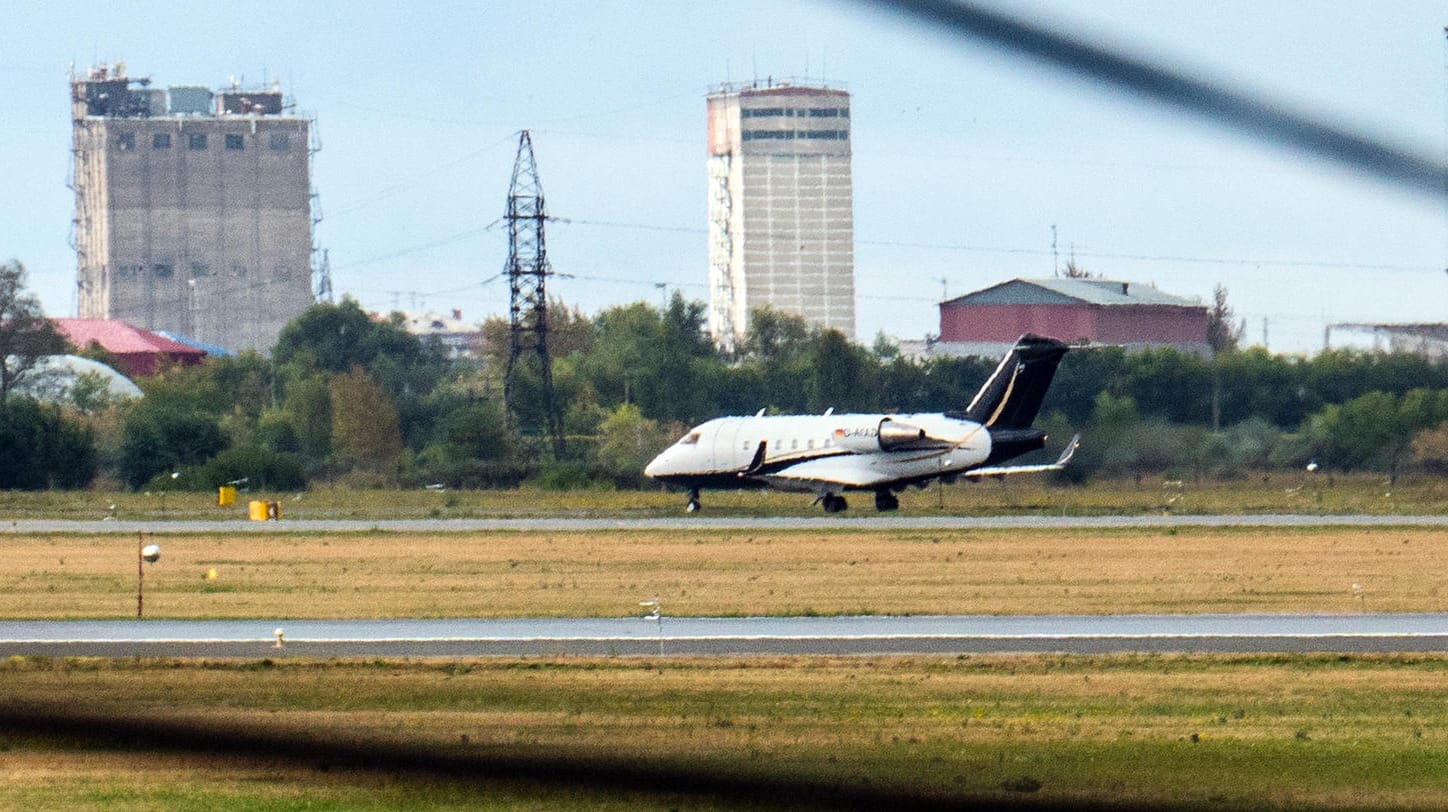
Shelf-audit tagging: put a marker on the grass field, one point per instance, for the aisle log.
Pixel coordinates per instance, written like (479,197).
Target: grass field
(1279,493)
(668,733)
(879,732)
(719,573)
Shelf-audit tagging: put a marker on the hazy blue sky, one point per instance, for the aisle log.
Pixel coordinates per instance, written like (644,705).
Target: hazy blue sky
(964,158)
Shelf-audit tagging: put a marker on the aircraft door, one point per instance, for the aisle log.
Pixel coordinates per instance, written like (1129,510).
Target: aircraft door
(726,451)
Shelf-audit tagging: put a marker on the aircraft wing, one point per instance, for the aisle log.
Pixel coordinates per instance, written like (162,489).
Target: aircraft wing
(846,471)
(1002,470)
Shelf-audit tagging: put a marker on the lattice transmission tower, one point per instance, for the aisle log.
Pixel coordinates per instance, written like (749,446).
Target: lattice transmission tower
(527,271)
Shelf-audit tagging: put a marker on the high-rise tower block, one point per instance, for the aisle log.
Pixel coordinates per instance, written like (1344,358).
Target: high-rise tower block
(781,225)
(192,208)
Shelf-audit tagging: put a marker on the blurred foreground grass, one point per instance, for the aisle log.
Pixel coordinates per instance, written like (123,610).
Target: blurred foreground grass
(1217,732)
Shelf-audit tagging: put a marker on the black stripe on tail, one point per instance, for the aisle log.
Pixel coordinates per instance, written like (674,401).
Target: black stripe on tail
(1012,395)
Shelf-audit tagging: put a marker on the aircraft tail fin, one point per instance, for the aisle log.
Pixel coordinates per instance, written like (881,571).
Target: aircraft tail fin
(1012,395)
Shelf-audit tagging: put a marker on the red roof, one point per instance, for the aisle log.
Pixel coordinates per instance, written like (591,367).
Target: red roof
(138,352)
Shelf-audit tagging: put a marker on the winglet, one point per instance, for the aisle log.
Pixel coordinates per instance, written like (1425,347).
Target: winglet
(1069,452)
(1029,469)
(757,463)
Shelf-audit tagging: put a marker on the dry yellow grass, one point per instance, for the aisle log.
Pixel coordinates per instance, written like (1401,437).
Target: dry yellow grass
(709,573)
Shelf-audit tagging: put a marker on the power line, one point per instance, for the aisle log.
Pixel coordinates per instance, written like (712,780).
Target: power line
(1265,119)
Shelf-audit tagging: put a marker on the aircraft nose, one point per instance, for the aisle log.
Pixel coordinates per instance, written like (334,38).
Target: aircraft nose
(655,466)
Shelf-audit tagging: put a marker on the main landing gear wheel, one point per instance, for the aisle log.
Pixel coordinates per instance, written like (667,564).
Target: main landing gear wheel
(834,503)
(693,506)
(885,501)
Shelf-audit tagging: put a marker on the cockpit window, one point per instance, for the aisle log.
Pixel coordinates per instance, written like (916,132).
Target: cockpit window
(689,439)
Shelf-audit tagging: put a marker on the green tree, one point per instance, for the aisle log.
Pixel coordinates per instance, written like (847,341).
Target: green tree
(1223,333)
(40,448)
(159,438)
(26,335)
(366,435)
(628,440)
(1376,430)
(841,374)
(1430,448)
(338,337)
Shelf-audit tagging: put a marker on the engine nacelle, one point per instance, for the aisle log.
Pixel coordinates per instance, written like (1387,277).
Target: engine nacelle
(886,435)
(895,435)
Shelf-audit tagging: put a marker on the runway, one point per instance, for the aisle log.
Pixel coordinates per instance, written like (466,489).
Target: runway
(685,523)
(956,634)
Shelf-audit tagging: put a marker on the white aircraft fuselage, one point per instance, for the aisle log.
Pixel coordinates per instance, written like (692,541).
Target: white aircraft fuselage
(811,452)
(831,453)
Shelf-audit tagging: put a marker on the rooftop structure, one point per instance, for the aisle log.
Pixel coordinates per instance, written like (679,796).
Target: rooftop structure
(136,352)
(781,223)
(192,207)
(1074,310)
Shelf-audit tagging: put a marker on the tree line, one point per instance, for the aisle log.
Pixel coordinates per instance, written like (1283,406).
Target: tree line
(348,399)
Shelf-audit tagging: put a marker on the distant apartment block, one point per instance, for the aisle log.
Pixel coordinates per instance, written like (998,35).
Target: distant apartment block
(192,208)
(781,225)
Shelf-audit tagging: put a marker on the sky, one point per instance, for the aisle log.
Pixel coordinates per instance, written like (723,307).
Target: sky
(969,163)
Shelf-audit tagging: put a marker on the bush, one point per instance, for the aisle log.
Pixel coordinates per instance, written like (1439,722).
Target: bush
(161,440)
(262,469)
(563,476)
(40,449)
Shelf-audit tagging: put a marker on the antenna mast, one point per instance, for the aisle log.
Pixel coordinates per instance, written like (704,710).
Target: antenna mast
(527,268)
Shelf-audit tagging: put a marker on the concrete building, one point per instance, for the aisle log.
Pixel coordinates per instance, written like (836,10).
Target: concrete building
(462,339)
(1077,311)
(192,208)
(1428,340)
(781,221)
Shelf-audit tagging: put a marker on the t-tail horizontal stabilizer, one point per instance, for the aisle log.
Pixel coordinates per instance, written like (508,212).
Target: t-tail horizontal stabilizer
(1002,470)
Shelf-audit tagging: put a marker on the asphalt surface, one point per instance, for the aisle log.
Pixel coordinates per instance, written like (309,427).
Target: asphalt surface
(681,523)
(963,634)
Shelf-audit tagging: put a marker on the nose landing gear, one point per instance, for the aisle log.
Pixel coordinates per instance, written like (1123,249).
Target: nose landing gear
(833,503)
(693,505)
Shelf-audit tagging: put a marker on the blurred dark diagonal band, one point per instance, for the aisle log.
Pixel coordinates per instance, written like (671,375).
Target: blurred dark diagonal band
(1261,118)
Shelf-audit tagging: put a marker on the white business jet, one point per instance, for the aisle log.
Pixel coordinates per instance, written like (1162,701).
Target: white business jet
(832,453)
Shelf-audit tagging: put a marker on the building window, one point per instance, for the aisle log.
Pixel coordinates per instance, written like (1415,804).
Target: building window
(823,112)
(161,141)
(197,141)
(235,141)
(199,269)
(125,142)
(162,270)
(279,141)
